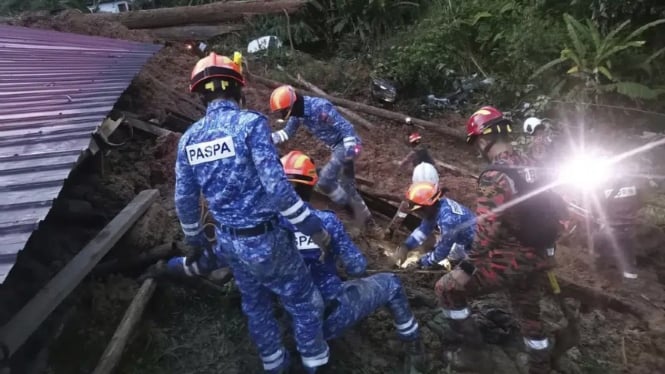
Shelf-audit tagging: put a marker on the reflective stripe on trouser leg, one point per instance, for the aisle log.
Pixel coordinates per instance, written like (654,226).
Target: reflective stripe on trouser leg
(273,261)
(456,314)
(536,344)
(273,361)
(362,297)
(263,328)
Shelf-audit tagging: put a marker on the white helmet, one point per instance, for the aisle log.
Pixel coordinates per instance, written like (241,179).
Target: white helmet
(425,172)
(531,124)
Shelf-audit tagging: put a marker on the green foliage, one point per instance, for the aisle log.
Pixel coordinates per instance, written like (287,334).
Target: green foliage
(590,55)
(331,22)
(11,7)
(507,38)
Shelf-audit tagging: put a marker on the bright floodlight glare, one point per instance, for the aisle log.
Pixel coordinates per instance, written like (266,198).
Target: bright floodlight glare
(585,172)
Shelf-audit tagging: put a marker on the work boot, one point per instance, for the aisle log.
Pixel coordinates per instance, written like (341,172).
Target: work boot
(538,356)
(470,354)
(415,361)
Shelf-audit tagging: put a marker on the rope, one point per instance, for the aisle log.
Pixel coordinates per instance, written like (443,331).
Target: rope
(205,214)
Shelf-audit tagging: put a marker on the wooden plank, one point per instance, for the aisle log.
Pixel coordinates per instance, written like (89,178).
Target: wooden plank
(147,126)
(111,356)
(28,319)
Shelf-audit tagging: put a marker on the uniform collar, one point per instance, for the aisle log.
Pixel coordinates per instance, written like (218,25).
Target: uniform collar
(308,107)
(221,104)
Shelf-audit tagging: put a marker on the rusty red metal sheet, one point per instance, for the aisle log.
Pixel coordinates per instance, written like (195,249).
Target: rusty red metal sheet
(55,89)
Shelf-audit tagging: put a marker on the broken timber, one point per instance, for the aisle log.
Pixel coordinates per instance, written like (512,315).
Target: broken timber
(202,14)
(28,319)
(146,126)
(383,113)
(111,356)
(192,32)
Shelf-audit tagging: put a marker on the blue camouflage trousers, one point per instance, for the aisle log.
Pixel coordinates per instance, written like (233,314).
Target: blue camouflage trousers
(362,297)
(337,177)
(269,264)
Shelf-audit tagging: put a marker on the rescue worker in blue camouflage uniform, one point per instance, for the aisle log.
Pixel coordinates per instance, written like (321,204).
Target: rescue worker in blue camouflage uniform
(321,118)
(350,301)
(229,158)
(455,222)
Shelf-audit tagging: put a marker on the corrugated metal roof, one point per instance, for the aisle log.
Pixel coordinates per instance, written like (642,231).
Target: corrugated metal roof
(55,89)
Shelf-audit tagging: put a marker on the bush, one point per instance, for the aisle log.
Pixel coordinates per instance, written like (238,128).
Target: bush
(352,24)
(504,38)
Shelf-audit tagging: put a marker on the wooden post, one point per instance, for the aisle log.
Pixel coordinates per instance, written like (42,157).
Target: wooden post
(111,356)
(28,319)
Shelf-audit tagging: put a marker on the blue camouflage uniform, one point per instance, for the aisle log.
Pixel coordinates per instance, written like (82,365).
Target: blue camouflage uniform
(325,123)
(228,156)
(350,301)
(209,261)
(456,224)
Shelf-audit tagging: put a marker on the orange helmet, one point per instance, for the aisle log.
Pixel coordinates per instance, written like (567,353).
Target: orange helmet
(215,66)
(299,168)
(423,194)
(283,97)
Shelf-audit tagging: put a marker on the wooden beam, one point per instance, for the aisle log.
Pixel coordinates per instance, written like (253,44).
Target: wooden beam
(192,32)
(360,107)
(146,126)
(111,356)
(28,319)
(202,14)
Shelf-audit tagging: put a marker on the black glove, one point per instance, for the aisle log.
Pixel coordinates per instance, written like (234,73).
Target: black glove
(322,239)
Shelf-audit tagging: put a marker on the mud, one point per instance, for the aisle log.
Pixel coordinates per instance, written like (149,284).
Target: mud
(192,330)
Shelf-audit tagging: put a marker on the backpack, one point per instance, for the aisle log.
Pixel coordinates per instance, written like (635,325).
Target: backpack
(535,221)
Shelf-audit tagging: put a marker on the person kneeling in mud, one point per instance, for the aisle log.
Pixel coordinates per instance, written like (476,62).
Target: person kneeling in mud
(456,224)
(348,302)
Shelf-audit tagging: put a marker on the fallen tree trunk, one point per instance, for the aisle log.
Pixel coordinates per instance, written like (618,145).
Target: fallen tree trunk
(192,32)
(202,14)
(360,107)
(113,352)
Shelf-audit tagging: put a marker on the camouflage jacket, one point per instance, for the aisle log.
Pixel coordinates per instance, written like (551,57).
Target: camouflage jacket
(494,241)
(228,156)
(323,121)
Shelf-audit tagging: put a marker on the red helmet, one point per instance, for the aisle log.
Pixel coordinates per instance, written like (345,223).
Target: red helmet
(414,138)
(483,122)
